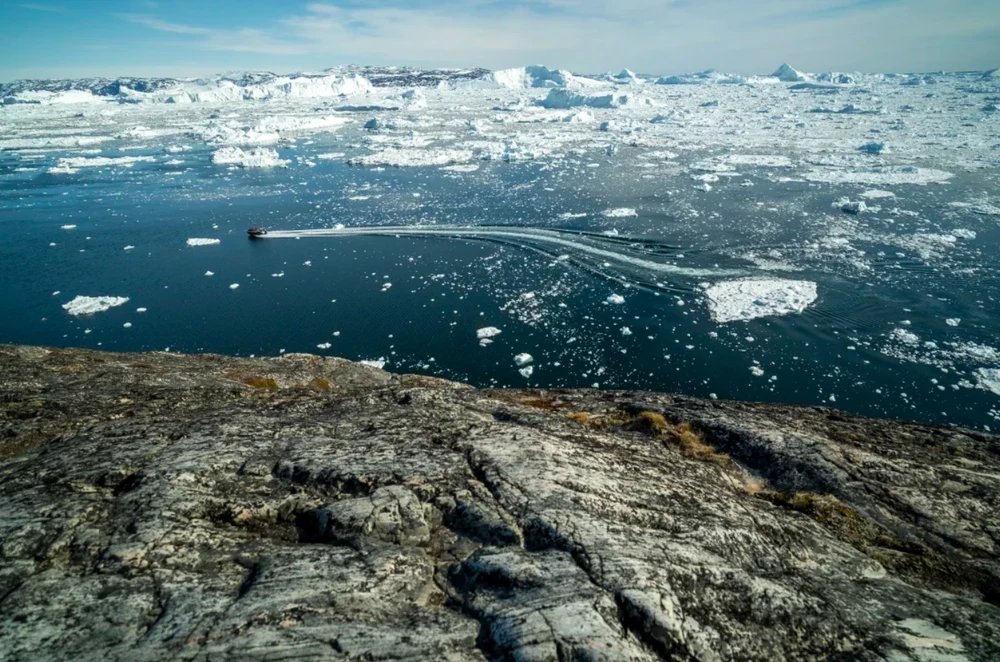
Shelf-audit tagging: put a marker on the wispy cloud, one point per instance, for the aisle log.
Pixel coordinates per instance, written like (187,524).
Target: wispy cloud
(655,36)
(39,7)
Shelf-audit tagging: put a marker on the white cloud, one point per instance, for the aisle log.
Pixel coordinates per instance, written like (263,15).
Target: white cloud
(39,7)
(652,36)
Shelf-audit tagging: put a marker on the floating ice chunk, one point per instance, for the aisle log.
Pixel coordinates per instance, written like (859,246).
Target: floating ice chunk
(197,241)
(487,332)
(953,321)
(523,359)
(83,305)
(127,325)
(875,194)
(985,210)
(989,379)
(620,212)
(756,371)
(375,363)
(761,160)
(883,176)
(324,345)
(626,331)
(734,300)
(853,207)
(234,286)
(140,310)
(128,248)
(209,273)
(400,157)
(615,299)
(68,227)
(562,98)
(873,148)
(527,371)
(905,337)
(260,157)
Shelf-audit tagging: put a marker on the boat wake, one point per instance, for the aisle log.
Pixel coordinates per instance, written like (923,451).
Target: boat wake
(649,259)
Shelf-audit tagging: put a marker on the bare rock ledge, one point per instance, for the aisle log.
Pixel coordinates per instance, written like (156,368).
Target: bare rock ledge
(170,507)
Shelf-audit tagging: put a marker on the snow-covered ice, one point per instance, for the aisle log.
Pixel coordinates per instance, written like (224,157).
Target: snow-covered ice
(86,305)
(200,241)
(746,299)
(248,158)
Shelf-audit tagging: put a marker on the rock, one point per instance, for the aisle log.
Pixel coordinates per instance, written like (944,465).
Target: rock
(208,507)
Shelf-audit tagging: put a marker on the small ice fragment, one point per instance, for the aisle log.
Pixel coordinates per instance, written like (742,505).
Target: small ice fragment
(616,299)
(199,241)
(853,207)
(234,286)
(626,331)
(756,371)
(69,227)
(127,325)
(953,321)
(324,345)
(140,310)
(487,332)
(523,359)
(128,248)
(374,363)
(209,273)
(620,212)
(527,371)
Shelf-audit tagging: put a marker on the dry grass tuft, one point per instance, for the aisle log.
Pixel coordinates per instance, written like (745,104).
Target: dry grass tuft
(694,445)
(753,485)
(262,382)
(581,417)
(649,422)
(321,384)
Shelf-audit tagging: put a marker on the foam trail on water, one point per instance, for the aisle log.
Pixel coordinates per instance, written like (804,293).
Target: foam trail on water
(525,234)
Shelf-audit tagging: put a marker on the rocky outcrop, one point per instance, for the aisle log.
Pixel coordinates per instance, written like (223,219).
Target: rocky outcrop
(170,507)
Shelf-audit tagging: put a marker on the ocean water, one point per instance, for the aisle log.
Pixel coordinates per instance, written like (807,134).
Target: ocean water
(588,236)
(416,300)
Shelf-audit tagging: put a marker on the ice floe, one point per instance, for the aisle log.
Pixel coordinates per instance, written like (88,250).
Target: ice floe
(746,299)
(199,241)
(248,158)
(85,305)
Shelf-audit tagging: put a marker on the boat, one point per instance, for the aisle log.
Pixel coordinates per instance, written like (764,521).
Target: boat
(256,232)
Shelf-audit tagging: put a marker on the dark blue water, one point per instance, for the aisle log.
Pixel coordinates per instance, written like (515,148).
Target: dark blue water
(295,294)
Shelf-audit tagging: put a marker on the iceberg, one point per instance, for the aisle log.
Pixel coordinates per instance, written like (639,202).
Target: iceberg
(562,98)
(787,74)
(523,78)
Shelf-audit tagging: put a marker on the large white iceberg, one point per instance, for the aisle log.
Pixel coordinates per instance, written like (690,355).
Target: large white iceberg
(787,74)
(522,78)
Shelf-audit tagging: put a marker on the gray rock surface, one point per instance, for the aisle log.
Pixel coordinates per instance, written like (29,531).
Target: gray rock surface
(169,507)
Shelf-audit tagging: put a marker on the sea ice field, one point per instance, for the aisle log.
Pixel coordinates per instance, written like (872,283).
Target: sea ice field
(826,239)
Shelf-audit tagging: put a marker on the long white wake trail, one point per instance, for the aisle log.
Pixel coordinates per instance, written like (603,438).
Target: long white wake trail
(513,234)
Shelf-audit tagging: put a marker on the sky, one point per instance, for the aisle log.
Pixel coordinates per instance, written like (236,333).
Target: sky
(81,38)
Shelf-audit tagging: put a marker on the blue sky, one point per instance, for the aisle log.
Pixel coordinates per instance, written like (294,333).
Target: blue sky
(76,38)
